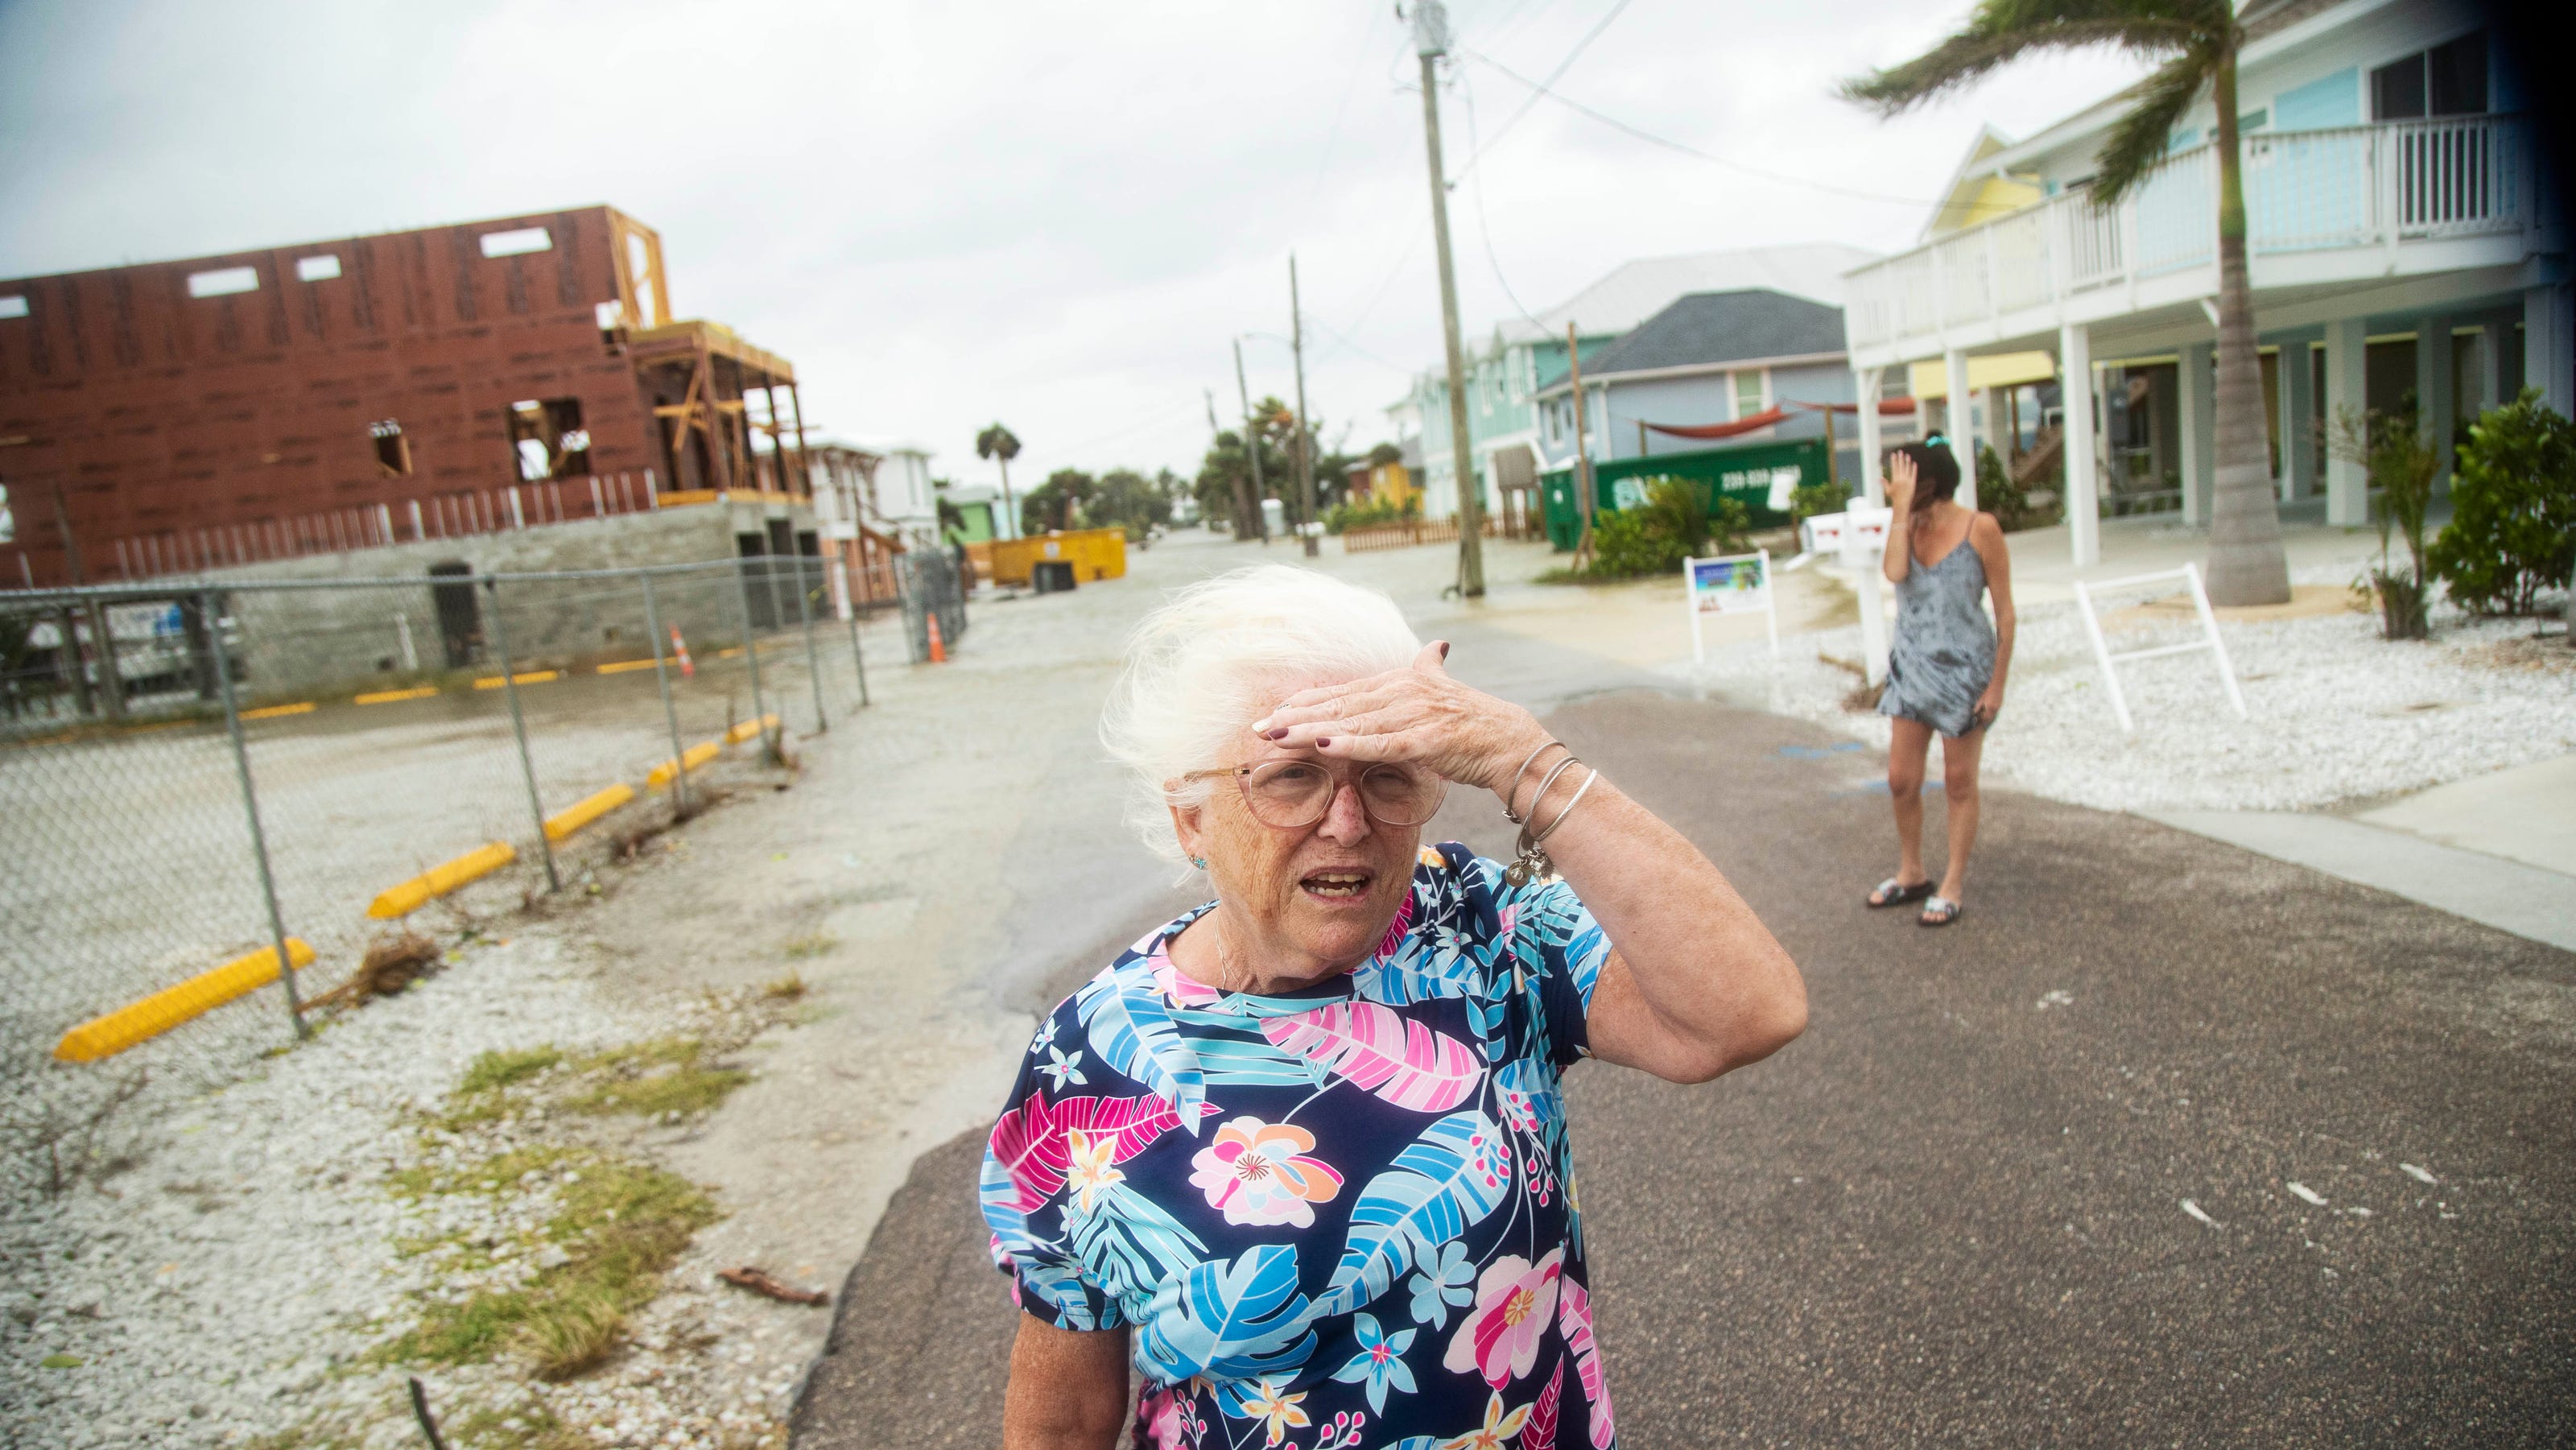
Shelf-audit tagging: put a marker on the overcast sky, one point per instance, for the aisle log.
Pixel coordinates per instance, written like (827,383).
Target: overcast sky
(943,214)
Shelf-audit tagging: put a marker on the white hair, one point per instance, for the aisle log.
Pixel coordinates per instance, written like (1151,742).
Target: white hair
(1217,655)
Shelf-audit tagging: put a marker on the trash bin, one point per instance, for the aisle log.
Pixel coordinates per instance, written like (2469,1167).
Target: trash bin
(1052,576)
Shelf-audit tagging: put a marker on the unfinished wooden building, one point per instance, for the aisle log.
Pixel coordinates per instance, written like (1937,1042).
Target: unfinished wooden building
(183,417)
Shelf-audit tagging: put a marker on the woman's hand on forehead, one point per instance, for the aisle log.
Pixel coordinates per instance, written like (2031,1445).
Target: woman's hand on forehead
(1417,715)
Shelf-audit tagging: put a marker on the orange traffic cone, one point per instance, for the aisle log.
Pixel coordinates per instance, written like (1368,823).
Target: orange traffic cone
(938,651)
(680,647)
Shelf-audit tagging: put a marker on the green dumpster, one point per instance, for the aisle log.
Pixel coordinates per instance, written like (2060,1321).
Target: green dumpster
(1759,476)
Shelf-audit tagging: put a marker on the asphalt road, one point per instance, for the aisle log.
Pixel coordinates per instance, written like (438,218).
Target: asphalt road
(1955,1211)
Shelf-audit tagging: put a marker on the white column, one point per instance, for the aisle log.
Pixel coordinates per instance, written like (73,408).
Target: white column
(2491,344)
(1865,385)
(2347,394)
(2549,345)
(2082,506)
(2195,430)
(1962,422)
(2435,402)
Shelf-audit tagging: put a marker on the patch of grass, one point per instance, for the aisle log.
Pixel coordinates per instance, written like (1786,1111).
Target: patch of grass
(810,945)
(530,1426)
(622,1223)
(667,1075)
(496,1070)
(786,989)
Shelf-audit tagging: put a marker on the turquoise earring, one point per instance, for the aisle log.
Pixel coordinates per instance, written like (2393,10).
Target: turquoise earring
(1199,861)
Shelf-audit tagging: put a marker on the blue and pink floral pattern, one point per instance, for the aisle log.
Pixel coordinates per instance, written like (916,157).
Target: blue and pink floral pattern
(1341,1218)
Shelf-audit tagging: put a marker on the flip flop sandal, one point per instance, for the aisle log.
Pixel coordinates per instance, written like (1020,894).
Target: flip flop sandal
(1939,911)
(1889,893)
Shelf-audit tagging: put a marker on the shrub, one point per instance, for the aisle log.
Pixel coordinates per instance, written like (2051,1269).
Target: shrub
(1672,524)
(1808,500)
(2513,510)
(2401,466)
(2000,495)
(1342,516)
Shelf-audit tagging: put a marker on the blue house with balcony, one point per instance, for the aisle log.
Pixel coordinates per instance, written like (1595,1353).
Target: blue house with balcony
(1509,367)
(2405,237)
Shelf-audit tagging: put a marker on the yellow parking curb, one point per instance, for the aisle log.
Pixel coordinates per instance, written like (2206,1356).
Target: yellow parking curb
(136,1021)
(750,729)
(622,666)
(437,881)
(525,677)
(696,756)
(387,697)
(271,712)
(590,808)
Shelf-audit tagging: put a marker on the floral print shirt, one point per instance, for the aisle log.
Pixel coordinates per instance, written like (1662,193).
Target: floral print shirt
(1340,1217)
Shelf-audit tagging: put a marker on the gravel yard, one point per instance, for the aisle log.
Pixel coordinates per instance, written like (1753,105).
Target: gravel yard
(2337,715)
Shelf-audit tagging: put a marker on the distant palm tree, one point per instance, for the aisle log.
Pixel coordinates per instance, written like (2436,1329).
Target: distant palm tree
(1000,444)
(2198,41)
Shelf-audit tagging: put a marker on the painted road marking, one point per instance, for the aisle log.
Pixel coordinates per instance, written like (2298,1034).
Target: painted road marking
(387,697)
(622,666)
(2193,1209)
(2304,1191)
(529,677)
(2418,1174)
(271,712)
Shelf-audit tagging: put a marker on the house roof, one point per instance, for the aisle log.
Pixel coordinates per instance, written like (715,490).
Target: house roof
(1635,291)
(1711,329)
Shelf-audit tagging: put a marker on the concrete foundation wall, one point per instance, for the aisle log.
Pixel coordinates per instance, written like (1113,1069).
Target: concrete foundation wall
(304,642)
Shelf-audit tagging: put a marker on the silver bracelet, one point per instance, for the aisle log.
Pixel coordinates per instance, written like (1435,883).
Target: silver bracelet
(1522,773)
(1531,862)
(1590,775)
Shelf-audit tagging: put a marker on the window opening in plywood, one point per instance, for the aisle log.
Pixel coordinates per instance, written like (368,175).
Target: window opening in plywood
(393,450)
(13,306)
(548,438)
(321,267)
(516,243)
(223,281)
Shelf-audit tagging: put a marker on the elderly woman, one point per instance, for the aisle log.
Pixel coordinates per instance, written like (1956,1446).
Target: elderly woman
(1300,1153)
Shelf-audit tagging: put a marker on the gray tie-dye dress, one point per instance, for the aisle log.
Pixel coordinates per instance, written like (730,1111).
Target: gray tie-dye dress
(1943,655)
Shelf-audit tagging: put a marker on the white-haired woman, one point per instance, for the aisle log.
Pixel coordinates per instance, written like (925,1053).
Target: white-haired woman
(1300,1154)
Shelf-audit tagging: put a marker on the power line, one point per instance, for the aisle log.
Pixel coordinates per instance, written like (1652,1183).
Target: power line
(1651,138)
(1332,138)
(1484,227)
(1553,76)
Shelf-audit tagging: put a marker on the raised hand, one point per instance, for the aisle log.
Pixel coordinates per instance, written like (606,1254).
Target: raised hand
(1417,715)
(1900,481)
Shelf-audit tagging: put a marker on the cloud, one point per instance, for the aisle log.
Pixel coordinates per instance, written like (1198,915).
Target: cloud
(1054,215)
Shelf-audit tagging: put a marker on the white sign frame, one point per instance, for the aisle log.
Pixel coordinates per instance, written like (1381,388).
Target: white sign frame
(1691,598)
(2190,575)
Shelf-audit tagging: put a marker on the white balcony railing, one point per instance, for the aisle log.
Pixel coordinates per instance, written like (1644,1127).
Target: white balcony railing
(2305,191)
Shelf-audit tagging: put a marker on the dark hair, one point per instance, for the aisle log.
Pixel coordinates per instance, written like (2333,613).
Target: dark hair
(1936,468)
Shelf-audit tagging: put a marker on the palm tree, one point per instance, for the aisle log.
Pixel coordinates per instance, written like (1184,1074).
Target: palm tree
(999,443)
(2198,41)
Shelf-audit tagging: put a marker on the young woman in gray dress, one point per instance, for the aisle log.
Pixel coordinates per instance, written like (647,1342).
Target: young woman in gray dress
(1945,666)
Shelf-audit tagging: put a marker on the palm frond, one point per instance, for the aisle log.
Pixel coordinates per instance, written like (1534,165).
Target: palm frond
(2138,139)
(2001,31)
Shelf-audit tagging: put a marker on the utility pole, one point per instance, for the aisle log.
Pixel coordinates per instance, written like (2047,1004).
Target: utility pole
(1430,42)
(1582,450)
(1252,514)
(1305,432)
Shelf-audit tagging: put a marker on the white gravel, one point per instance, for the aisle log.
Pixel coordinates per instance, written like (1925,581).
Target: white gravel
(229,1286)
(2336,713)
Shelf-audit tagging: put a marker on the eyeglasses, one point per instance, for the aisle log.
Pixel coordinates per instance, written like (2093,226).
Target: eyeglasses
(1292,794)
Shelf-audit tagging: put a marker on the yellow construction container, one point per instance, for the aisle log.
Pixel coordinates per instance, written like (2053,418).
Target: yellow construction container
(127,1025)
(1096,554)
(437,881)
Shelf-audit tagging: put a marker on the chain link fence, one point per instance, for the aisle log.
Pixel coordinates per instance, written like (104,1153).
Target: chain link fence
(197,775)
